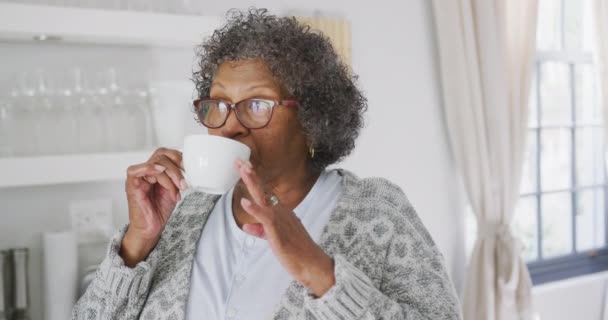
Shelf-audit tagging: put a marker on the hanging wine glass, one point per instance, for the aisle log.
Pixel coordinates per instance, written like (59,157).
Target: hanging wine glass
(25,110)
(92,135)
(67,122)
(7,128)
(48,135)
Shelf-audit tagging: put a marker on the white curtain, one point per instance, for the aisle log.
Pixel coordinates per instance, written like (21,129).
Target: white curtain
(486,51)
(601,29)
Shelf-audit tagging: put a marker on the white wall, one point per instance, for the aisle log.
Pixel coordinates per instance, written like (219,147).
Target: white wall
(394,55)
(576,298)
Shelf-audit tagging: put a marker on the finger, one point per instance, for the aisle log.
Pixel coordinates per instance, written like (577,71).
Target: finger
(166,182)
(136,174)
(144,169)
(150,179)
(153,173)
(255,229)
(135,188)
(256,211)
(172,170)
(174,155)
(252,183)
(147,172)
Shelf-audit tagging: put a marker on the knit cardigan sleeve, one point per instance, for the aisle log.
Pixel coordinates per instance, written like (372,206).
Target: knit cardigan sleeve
(414,285)
(117,291)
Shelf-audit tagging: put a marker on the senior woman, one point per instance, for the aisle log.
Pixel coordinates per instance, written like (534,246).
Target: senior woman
(292,240)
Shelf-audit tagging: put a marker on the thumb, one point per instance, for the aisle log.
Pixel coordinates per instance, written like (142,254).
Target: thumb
(255,229)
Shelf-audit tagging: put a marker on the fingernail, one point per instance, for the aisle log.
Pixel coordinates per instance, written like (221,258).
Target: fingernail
(159,168)
(247,169)
(248,164)
(245,202)
(183,185)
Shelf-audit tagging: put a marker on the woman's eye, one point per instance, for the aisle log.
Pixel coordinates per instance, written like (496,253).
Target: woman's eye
(259,106)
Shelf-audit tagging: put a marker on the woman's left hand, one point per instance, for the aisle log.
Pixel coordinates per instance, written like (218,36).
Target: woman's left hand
(287,237)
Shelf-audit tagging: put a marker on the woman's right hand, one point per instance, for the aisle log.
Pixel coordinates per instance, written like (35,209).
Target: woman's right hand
(152,191)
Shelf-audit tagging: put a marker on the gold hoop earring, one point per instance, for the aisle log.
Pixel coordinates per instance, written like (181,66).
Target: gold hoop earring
(311,151)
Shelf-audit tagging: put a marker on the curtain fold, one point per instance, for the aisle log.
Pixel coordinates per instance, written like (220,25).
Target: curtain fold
(486,53)
(600,9)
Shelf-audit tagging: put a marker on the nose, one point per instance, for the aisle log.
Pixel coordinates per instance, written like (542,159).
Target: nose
(233,128)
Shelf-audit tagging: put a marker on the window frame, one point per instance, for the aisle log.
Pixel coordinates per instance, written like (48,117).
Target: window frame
(575,263)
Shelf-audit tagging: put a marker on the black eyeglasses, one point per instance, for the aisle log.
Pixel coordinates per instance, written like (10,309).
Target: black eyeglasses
(251,113)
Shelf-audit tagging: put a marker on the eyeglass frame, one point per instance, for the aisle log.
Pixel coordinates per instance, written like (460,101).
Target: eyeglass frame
(232,107)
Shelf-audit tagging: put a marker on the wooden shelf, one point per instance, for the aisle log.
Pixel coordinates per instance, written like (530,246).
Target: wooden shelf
(23,22)
(46,170)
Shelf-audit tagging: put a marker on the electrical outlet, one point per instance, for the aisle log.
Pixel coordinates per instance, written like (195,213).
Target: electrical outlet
(92,220)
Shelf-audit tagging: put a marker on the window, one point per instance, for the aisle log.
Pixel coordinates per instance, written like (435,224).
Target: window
(561,215)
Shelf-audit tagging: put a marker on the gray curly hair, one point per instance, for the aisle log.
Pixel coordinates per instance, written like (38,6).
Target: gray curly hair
(305,63)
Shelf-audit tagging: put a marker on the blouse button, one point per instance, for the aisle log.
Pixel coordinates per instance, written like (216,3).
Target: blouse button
(231,313)
(240,278)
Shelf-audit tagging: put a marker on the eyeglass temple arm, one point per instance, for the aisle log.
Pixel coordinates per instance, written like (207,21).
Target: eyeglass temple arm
(289,103)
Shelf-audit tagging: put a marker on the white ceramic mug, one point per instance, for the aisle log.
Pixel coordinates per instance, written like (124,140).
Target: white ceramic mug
(209,162)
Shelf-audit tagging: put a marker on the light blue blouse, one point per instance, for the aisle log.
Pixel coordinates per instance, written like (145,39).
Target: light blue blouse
(235,275)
